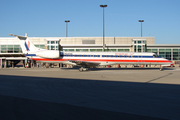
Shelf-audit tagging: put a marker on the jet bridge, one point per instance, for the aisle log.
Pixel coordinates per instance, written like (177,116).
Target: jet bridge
(15,58)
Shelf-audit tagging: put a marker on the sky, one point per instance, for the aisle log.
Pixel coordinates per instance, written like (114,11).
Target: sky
(46,18)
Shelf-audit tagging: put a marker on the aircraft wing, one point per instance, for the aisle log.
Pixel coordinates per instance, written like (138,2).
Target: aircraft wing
(84,63)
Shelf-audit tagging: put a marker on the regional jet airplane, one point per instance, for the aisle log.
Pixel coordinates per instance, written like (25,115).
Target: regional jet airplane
(88,59)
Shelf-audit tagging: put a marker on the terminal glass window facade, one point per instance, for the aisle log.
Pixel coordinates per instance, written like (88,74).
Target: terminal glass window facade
(40,46)
(162,53)
(155,51)
(53,45)
(143,48)
(107,50)
(82,50)
(134,48)
(139,45)
(85,50)
(126,50)
(139,48)
(52,42)
(149,50)
(3,48)
(10,49)
(165,53)
(139,42)
(99,50)
(113,50)
(170,54)
(123,50)
(120,50)
(175,54)
(96,50)
(78,50)
(92,50)
(69,50)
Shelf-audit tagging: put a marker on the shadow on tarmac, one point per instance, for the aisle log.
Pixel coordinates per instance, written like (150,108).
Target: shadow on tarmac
(30,98)
(101,69)
(26,109)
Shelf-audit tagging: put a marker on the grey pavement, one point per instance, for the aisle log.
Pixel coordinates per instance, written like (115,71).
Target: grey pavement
(102,93)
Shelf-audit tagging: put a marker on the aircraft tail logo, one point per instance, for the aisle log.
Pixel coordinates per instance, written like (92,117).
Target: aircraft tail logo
(27,45)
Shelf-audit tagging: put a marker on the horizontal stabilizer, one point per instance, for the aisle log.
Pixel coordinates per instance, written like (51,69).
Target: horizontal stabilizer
(20,37)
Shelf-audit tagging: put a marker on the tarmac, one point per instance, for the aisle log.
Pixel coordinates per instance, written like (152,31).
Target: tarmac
(100,93)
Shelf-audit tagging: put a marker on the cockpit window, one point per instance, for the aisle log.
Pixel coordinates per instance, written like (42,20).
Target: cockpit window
(154,55)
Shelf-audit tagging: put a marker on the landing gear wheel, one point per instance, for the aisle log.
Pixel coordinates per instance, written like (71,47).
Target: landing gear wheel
(81,69)
(161,69)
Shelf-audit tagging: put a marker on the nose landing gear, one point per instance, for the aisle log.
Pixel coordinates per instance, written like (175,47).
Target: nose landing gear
(81,69)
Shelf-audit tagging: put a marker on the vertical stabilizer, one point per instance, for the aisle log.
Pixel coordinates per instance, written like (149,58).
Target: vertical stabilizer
(26,45)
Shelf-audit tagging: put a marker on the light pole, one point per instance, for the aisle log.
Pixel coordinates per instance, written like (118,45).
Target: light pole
(103,6)
(141,26)
(67,27)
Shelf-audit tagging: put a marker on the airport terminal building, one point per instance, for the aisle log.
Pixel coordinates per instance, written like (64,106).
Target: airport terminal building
(10,48)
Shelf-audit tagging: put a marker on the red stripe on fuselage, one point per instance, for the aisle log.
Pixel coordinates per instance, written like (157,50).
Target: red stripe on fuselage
(103,60)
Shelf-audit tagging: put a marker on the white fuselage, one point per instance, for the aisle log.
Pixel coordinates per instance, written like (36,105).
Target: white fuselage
(105,58)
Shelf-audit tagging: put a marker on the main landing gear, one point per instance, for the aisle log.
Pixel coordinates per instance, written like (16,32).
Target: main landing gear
(161,68)
(81,69)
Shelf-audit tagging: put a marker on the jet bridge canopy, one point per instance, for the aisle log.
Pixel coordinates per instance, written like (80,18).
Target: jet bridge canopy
(12,55)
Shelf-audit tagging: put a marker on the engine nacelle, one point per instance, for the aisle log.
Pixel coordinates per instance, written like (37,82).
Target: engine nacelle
(48,54)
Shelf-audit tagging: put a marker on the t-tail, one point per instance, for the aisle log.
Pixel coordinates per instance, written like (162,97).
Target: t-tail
(29,49)
(26,45)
